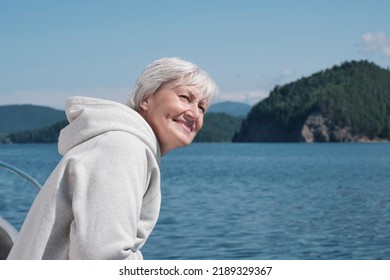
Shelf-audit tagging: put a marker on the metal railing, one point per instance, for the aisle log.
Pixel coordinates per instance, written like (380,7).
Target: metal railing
(22,174)
(8,233)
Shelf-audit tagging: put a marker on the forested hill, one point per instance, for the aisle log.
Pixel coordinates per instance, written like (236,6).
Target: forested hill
(15,118)
(349,102)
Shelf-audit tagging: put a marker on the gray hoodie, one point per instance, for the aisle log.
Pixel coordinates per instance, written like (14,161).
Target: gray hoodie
(103,198)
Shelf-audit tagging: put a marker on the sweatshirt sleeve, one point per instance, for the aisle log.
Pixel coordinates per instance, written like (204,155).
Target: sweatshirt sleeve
(110,181)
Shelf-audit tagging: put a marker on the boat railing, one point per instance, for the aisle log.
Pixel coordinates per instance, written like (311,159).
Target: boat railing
(22,174)
(8,233)
(8,236)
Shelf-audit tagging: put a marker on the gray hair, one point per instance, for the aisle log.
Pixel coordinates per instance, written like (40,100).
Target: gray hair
(171,69)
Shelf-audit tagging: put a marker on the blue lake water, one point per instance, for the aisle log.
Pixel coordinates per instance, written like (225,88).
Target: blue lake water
(249,201)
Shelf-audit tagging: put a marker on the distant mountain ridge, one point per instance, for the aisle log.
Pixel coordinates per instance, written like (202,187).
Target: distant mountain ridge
(15,118)
(39,124)
(235,109)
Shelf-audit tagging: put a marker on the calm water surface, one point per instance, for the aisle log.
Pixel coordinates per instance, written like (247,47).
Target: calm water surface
(250,201)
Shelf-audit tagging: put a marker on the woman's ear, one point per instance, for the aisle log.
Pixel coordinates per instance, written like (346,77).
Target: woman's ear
(145,103)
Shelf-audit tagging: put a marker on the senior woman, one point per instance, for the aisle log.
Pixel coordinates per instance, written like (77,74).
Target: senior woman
(103,199)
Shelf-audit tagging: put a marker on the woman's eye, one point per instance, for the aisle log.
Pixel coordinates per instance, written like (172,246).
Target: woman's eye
(186,97)
(202,108)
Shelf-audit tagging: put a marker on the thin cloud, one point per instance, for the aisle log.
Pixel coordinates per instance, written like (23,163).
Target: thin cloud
(288,73)
(264,87)
(377,42)
(286,76)
(256,96)
(248,97)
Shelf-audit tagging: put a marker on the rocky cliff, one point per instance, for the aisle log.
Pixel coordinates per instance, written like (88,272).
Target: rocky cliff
(319,128)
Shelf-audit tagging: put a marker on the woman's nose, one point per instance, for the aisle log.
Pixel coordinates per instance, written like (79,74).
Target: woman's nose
(194,111)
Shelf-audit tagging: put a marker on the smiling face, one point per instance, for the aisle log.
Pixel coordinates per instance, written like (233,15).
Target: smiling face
(175,114)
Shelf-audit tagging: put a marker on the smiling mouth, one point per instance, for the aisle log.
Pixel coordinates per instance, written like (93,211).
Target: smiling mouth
(187,124)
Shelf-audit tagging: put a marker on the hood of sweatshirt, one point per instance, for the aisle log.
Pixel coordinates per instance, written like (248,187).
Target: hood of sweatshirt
(90,117)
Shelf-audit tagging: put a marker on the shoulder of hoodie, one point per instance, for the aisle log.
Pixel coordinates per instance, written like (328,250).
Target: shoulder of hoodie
(113,145)
(120,143)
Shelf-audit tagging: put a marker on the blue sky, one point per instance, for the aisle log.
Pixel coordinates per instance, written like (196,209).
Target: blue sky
(53,49)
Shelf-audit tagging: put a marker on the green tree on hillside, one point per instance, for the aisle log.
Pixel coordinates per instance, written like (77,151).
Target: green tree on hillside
(48,134)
